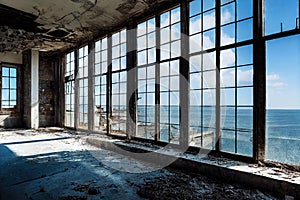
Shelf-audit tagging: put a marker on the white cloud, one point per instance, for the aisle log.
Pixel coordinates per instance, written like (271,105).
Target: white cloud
(274,81)
(226,17)
(273,77)
(276,85)
(245,76)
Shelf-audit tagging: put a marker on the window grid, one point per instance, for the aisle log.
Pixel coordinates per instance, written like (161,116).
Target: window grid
(236,80)
(69,89)
(146,52)
(202,28)
(9,87)
(202,33)
(146,42)
(170,34)
(202,99)
(118,123)
(236,28)
(119,51)
(100,78)
(119,81)
(83,87)
(169,101)
(170,45)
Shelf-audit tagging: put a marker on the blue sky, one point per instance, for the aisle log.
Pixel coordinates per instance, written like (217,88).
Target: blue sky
(283,55)
(283,69)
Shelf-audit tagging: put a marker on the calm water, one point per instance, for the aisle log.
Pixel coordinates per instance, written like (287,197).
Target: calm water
(283,129)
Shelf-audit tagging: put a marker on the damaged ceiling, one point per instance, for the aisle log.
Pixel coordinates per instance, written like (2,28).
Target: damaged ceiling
(59,25)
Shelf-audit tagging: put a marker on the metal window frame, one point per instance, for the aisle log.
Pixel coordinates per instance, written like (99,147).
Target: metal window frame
(259,80)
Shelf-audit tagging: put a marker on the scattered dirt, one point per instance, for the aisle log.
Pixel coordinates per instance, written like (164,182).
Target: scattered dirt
(72,198)
(183,186)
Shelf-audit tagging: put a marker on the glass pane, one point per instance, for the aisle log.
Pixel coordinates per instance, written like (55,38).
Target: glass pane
(195,63)
(13,95)
(227,96)
(209,39)
(227,34)
(209,20)
(245,55)
(195,43)
(244,143)
(228,141)
(227,58)
(228,13)
(283,100)
(195,81)
(208,4)
(5,82)
(13,72)
(245,76)
(244,9)
(165,19)
(5,95)
(228,117)
(227,77)
(273,19)
(195,7)
(245,96)
(244,30)
(195,24)
(175,15)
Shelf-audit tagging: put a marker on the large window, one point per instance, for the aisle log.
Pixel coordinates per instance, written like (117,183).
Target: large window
(283,100)
(69,90)
(202,28)
(225,69)
(202,100)
(146,43)
(83,87)
(119,81)
(236,91)
(236,77)
(100,77)
(9,88)
(170,37)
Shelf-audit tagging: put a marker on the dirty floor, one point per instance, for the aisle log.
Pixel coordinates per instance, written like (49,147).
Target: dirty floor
(58,164)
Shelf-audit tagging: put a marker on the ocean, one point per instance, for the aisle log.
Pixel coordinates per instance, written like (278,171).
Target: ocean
(282,129)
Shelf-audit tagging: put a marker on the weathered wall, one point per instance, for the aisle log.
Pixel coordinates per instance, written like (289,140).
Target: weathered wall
(46,92)
(26,88)
(14,58)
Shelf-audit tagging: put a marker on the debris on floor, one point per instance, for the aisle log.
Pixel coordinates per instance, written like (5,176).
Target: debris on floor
(42,164)
(191,186)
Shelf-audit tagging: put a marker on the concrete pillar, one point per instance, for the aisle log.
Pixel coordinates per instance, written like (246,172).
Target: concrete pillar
(34,89)
(31,89)
(131,98)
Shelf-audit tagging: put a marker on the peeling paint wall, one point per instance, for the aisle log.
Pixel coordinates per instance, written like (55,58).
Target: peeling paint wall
(46,92)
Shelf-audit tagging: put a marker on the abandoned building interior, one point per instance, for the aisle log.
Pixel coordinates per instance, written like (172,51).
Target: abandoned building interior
(95,93)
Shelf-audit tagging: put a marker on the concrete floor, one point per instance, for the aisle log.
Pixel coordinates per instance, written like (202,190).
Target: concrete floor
(53,164)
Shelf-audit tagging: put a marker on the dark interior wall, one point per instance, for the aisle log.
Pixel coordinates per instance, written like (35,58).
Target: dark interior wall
(26,88)
(47,90)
